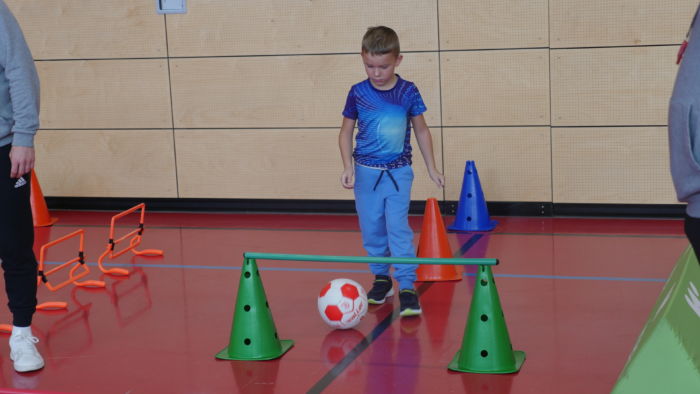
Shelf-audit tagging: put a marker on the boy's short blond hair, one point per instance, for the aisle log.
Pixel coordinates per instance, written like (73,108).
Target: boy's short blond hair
(380,40)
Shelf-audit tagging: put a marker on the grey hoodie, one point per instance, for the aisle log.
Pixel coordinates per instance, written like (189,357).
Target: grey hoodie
(19,85)
(684,126)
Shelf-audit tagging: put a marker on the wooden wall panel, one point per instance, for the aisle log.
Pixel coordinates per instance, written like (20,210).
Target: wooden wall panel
(611,166)
(281,91)
(478,24)
(576,23)
(284,164)
(277,116)
(266,27)
(423,187)
(495,88)
(612,86)
(273,163)
(81,29)
(96,94)
(513,162)
(101,163)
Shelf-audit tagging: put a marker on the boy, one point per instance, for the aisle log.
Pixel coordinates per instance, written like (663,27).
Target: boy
(385,106)
(19,120)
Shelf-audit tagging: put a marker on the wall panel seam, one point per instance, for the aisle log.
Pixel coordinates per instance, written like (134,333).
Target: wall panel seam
(549,78)
(614,46)
(172,109)
(607,126)
(491,49)
(442,121)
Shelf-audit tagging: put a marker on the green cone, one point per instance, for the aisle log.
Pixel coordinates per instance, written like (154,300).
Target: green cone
(666,357)
(253,333)
(486,346)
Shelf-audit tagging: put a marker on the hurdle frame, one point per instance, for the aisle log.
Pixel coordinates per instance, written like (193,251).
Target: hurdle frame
(254,337)
(369,259)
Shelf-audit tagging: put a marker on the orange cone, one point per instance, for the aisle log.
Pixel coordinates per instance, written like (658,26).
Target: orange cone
(40,212)
(433,243)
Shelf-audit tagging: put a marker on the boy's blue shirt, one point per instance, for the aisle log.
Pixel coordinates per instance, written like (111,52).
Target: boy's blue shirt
(384,136)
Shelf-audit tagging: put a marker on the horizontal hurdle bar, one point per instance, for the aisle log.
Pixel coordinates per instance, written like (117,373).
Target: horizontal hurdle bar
(368,259)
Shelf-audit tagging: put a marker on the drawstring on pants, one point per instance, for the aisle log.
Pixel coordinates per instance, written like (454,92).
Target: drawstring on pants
(381,174)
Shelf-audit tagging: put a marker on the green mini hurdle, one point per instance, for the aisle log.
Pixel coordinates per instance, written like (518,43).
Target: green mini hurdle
(486,346)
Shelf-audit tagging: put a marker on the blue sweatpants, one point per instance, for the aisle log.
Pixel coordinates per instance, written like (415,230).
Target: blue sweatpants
(382,198)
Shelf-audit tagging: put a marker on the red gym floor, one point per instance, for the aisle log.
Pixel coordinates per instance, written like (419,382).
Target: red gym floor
(575,292)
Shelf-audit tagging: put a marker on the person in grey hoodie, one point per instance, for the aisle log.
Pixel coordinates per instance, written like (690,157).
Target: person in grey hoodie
(684,133)
(19,120)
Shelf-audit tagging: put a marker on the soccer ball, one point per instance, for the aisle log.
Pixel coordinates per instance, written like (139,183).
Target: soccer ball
(342,303)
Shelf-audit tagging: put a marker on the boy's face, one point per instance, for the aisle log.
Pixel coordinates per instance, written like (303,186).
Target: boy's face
(380,69)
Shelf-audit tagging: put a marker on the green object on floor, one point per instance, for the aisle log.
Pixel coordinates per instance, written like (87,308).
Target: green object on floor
(253,333)
(666,358)
(486,346)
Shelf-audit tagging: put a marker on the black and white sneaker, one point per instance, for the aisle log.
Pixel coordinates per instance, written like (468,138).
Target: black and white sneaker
(409,303)
(381,289)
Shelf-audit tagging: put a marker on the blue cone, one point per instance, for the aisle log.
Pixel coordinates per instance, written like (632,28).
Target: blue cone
(472,214)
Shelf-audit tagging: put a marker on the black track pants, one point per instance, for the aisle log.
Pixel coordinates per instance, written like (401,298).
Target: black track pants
(16,241)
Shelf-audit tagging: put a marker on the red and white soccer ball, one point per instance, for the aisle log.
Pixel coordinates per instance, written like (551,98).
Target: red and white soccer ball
(342,303)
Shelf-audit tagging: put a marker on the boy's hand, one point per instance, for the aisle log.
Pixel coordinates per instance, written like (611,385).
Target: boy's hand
(438,178)
(347,179)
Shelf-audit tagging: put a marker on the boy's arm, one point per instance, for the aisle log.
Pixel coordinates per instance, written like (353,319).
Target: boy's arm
(347,179)
(425,143)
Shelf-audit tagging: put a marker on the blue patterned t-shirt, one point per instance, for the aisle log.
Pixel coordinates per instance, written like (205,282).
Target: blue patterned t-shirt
(384,136)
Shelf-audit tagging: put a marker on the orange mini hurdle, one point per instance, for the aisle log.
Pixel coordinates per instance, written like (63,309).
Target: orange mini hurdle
(75,264)
(134,238)
(72,277)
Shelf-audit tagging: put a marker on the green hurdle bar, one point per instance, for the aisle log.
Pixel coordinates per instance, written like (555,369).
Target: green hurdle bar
(367,259)
(486,346)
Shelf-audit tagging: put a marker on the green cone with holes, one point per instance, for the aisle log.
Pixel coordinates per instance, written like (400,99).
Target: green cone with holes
(253,333)
(486,346)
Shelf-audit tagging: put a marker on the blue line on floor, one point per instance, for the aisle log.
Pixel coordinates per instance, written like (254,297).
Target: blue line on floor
(609,278)
(353,271)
